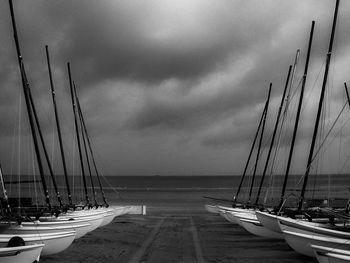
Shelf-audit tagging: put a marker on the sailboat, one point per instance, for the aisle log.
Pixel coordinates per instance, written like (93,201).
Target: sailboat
(271,220)
(300,234)
(106,212)
(51,240)
(245,215)
(225,210)
(267,219)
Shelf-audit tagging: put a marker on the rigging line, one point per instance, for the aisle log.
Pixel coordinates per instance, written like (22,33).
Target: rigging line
(111,186)
(19,152)
(345,162)
(309,95)
(340,142)
(291,84)
(325,138)
(273,136)
(284,116)
(58,127)
(341,128)
(282,129)
(16,134)
(91,153)
(319,108)
(86,151)
(73,160)
(100,160)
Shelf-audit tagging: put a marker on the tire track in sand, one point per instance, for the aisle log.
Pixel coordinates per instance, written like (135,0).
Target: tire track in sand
(140,253)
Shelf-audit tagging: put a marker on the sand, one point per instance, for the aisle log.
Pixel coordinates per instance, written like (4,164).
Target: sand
(174,230)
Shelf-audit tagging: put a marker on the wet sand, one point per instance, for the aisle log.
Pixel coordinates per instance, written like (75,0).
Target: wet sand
(174,230)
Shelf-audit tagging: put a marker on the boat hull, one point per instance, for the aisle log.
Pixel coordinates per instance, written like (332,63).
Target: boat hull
(256,228)
(81,227)
(337,258)
(21,254)
(302,243)
(321,253)
(269,221)
(237,216)
(212,209)
(54,243)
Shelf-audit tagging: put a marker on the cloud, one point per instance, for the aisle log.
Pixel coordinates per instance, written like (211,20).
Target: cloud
(193,73)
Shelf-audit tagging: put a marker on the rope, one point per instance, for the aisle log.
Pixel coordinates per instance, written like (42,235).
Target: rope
(325,138)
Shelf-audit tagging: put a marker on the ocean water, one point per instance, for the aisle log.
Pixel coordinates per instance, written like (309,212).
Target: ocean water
(218,181)
(189,191)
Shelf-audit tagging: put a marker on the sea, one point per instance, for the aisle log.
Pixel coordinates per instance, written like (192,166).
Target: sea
(193,192)
(196,191)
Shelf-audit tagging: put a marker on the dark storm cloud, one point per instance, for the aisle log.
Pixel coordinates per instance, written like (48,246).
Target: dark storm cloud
(189,71)
(120,40)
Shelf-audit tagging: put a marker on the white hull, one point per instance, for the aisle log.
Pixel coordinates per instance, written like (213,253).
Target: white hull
(81,227)
(212,209)
(229,217)
(269,221)
(321,253)
(305,227)
(80,214)
(94,219)
(121,210)
(235,209)
(108,217)
(237,216)
(51,228)
(225,215)
(54,243)
(256,228)
(337,258)
(302,243)
(21,254)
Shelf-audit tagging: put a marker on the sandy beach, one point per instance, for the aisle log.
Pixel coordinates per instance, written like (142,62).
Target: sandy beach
(174,230)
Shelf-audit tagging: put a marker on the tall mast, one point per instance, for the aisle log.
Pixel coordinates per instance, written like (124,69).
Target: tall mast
(297,116)
(45,150)
(85,147)
(26,90)
(320,104)
(91,152)
(7,208)
(71,84)
(273,135)
(250,155)
(347,208)
(58,127)
(260,141)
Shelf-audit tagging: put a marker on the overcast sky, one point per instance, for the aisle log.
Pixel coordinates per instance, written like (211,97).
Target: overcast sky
(168,87)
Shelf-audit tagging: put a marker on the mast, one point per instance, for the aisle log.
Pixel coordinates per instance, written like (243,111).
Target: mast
(250,154)
(45,150)
(7,208)
(26,90)
(347,208)
(320,104)
(58,127)
(71,85)
(347,93)
(297,116)
(85,148)
(260,141)
(91,153)
(273,135)
(296,59)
